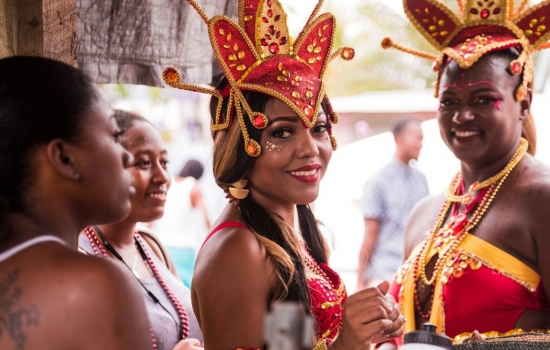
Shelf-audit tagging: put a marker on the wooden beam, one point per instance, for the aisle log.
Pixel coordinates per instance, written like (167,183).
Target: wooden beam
(39,28)
(59,25)
(8,28)
(30,36)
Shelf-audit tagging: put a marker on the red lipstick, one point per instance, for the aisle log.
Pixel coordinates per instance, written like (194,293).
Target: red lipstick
(306,174)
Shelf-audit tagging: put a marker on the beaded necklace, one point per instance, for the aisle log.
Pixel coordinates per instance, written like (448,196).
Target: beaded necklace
(485,198)
(99,245)
(316,269)
(476,186)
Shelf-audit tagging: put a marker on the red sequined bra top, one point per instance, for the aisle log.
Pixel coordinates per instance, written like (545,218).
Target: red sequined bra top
(480,288)
(326,290)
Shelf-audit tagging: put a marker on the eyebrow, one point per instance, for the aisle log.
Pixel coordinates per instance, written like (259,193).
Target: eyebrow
(293,119)
(483,89)
(464,86)
(148,151)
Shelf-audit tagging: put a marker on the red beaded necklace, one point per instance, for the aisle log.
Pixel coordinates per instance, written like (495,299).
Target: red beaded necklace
(98,246)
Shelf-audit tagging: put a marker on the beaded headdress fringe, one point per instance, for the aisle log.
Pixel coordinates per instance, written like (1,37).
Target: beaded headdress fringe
(257,54)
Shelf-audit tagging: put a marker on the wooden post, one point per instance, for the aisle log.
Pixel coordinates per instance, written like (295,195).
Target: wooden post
(39,28)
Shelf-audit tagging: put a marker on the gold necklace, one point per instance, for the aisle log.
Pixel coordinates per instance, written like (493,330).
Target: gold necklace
(476,186)
(476,217)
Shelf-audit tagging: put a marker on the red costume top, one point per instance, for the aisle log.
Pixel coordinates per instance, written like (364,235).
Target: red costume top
(480,288)
(326,290)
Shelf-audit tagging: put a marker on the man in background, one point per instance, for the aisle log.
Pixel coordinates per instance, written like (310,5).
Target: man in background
(388,198)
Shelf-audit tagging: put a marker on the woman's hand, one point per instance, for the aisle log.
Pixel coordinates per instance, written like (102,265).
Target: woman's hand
(367,313)
(396,317)
(189,344)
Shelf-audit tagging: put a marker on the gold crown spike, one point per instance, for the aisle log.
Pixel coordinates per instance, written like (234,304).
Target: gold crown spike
(257,54)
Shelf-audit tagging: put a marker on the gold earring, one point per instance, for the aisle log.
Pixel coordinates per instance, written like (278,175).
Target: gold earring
(238,190)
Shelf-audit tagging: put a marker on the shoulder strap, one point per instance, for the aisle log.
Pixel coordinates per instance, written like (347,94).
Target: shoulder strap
(159,249)
(222,226)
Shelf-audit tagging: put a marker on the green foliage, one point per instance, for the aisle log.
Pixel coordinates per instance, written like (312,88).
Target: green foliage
(374,68)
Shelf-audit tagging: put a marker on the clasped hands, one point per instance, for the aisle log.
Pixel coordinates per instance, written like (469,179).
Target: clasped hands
(370,316)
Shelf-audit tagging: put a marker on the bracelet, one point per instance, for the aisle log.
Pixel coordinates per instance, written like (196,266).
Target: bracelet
(322,345)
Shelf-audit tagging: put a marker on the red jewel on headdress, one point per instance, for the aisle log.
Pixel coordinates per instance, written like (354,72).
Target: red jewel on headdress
(274,48)
(308,111)
(348,54)
(258,121)
(485,13)
(516,68)
(171,75)
(252,149)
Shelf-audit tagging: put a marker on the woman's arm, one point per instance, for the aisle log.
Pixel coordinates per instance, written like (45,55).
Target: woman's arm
(233,284)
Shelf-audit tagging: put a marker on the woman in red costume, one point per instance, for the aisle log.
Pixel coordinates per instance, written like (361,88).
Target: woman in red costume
(266,245)
(484,266)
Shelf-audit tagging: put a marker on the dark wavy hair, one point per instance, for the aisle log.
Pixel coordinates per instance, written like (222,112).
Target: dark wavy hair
(125,121)
(40,100)
(231,164)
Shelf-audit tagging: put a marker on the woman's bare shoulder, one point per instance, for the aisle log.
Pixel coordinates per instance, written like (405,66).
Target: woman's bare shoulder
(234,250)
(421,220)
(67,292)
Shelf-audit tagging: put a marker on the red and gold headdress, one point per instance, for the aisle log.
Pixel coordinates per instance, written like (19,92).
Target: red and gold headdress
(482,26)
(258,54)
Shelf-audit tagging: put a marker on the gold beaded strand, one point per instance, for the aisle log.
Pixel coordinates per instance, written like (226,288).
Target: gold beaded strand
(476,217)
(476,186)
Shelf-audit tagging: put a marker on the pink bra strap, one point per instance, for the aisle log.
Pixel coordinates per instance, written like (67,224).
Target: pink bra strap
(222,226)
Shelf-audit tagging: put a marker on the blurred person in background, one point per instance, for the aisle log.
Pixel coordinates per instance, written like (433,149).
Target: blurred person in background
(185,223)
(61,168)
(388,198)
(168,302)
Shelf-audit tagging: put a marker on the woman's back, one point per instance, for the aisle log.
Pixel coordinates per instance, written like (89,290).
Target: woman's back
(55,298)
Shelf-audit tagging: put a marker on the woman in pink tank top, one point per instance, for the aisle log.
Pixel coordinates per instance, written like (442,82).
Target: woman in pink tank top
(272,146)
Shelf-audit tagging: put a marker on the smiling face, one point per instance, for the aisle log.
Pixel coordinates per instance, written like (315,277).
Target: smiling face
(293,160)
(479,118)
(151,178)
